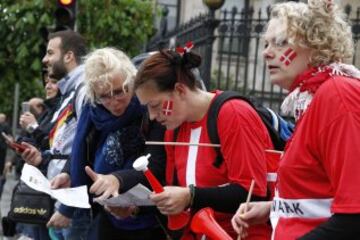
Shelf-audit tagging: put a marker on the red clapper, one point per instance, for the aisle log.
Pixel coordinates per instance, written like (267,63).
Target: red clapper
(204,222)
(175,222)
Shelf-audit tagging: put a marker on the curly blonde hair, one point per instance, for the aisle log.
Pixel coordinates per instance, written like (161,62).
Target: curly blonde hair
(102,65)
(320,26)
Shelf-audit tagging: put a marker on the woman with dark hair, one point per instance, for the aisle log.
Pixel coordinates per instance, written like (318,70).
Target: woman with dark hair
(39,128)
(166,84)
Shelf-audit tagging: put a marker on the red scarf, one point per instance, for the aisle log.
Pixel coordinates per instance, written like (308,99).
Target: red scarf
(306,84)
(311,79)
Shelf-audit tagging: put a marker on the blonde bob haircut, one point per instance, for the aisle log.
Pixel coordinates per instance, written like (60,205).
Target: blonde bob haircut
(320,26)
(102,65)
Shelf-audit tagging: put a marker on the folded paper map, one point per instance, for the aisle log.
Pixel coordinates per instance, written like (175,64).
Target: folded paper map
(73,197)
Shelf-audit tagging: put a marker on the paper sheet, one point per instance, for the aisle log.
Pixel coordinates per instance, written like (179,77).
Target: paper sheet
(73,197)
(136,196)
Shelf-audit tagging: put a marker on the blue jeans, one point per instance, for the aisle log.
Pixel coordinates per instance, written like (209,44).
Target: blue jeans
(78,228)
(37,232)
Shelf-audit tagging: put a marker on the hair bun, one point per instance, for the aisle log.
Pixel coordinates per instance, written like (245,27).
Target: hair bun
(191,60)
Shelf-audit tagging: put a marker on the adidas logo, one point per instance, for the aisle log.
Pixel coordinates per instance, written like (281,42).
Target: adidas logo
(41,211)
(30,211)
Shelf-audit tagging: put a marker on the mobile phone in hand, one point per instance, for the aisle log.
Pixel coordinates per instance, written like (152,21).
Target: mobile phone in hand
(25,107)
(12,144)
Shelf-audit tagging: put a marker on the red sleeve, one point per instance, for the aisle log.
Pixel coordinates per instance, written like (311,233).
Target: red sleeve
(339,145)
(243,138)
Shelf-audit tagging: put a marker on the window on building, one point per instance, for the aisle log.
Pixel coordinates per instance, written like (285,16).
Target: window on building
(172,6)
(233,30)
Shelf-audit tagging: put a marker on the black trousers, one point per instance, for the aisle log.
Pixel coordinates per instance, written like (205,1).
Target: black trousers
(101,228)
(2,159)
(2,164)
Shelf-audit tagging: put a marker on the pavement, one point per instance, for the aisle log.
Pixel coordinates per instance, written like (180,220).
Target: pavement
(5,200)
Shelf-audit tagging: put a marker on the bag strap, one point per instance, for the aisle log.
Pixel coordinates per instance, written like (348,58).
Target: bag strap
(213,114)
(267,116)
(272,123)
(59,156)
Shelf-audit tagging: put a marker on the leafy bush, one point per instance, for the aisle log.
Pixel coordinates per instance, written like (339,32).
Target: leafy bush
(125,24)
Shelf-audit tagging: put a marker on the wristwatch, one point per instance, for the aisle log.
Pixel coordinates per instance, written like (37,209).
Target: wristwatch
(31,127)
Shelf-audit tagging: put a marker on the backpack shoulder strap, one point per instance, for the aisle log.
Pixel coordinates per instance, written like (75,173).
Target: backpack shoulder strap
(272,124)
(213,116)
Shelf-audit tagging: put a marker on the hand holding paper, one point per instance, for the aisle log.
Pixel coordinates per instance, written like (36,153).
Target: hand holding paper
(74,197)
(136,196)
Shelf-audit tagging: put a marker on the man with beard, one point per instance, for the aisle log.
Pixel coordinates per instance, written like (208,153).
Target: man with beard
(63,61)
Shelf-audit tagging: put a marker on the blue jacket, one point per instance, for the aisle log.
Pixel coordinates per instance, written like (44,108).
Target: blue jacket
(117,144)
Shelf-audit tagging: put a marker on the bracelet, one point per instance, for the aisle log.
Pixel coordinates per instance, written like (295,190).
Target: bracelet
(192,194)
(32,127)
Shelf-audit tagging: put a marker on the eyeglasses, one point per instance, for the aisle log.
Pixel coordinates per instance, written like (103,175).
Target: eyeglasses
(106,98)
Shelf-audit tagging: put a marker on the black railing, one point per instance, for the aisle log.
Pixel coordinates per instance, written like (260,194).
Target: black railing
(240,65)
(199,30)
(355,22)
(231,47)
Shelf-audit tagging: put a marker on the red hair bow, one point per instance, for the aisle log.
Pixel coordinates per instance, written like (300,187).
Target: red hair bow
(188,46)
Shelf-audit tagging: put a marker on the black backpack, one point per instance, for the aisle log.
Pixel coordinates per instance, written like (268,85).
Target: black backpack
(279,129)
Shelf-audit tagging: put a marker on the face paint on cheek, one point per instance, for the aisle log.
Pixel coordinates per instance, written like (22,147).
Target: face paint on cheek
(288,56)
(167,107)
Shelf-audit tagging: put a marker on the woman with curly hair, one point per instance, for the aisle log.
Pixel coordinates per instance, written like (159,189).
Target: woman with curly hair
(316,194)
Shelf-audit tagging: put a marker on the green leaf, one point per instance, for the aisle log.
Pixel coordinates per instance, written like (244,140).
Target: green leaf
(124,24)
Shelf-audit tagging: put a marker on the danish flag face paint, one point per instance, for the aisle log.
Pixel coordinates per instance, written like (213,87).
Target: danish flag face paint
(167,107)
(288,56)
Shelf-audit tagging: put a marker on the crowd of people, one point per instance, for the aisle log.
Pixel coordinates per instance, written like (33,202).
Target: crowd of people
(100,111)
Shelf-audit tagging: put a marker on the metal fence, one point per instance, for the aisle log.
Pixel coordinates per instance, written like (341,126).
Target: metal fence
(231,47)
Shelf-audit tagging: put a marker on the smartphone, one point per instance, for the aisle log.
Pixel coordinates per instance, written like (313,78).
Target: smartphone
(12,144)
(25,107)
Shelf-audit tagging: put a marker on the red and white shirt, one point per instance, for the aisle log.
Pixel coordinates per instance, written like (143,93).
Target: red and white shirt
(319,172)
(243,138)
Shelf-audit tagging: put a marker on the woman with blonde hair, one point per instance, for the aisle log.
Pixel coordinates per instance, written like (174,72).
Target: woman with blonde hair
(110,136)
(316,194)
